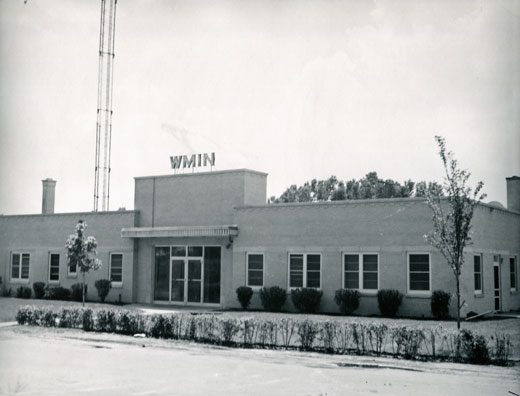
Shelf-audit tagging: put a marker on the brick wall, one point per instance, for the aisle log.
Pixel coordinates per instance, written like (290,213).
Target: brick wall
(40,235)
(391,228)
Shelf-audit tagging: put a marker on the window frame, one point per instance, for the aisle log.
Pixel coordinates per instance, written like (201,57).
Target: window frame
(481,290)
(71,274)
(304,269)
(513,275)
(425,293)
(361,270)
(54,282)
(19,279)
(114,283)
(256,287)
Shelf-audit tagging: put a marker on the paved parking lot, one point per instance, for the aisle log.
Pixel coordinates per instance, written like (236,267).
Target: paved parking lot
(39,361)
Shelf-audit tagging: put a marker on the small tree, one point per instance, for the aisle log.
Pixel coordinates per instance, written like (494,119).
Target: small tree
(81,252)
(452,221)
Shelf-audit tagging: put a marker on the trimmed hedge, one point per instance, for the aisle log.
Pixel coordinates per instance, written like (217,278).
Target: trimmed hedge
(56,293)
(273,298)
(23,292)
(103,287)
(440,304)
(389,301)
(339,337)
(39,290)
(244,295)
(347,300)
(306,300)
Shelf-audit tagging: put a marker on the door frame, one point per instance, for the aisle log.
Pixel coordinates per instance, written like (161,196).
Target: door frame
(185,259)
(497,279)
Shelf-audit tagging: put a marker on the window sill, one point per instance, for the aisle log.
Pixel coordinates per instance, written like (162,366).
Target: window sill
(72,276)
(55,283)
(479,295)
(255,288)
(117,285)
(19,281)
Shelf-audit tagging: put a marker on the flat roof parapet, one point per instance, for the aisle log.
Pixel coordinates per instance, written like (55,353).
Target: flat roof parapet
(203,174)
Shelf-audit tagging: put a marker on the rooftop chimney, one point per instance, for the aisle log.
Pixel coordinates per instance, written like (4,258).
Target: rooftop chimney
(513,193)
(49,186)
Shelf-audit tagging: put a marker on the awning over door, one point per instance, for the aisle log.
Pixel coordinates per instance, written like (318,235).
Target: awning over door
(182,231)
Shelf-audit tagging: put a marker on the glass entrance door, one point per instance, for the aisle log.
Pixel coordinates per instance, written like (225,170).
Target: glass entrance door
(178,279)
(194,281)
(187,274)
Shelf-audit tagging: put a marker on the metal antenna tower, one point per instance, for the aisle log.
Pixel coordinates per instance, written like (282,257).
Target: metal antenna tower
(107,32)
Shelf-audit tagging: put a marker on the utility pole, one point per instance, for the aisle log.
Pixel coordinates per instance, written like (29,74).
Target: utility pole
(104,104)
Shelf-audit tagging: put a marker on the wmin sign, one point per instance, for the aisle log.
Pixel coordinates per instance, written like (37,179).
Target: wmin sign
(192,161)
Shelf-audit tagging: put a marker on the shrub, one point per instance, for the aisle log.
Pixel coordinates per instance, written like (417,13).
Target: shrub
(39,289)
(23,292)
(103,286)
(88,320)
(70,317)
(56,293)
(389,302)
(503,347)
(306,300)
(473,347)
(48,318)
(156,326)
(23,314)
(307,331)
(229,327)
(106,321)
(129,323)
(347,300)
(6,292)
(440,304)
(407,341)
(75,292)
(273,298)
(244,295)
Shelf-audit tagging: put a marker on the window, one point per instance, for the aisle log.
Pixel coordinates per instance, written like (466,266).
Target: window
(512,272)
(477,269)
(54,267)
(255,269)
(304,270)
(72,270)
(116,267)
(364,277)
(419,272)
(20,266)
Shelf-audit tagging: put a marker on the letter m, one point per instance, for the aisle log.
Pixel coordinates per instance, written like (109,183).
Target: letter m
(188,162)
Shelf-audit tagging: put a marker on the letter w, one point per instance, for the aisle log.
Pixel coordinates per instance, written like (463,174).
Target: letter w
(176,161)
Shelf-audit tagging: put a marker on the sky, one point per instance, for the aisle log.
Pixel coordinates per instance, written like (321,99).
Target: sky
(296,89)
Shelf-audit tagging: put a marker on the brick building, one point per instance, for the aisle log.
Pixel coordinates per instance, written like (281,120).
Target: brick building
(194,238)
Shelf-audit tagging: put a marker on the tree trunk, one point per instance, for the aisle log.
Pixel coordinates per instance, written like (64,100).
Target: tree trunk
(83,289)
(458,303)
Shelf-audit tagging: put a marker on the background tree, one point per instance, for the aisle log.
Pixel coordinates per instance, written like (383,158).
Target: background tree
(332,189)
(452,215)
(81,252)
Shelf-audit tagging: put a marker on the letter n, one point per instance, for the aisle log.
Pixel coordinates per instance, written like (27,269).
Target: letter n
(209,159)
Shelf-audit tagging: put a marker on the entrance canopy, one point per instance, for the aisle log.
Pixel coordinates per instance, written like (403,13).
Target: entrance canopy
(182,231)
